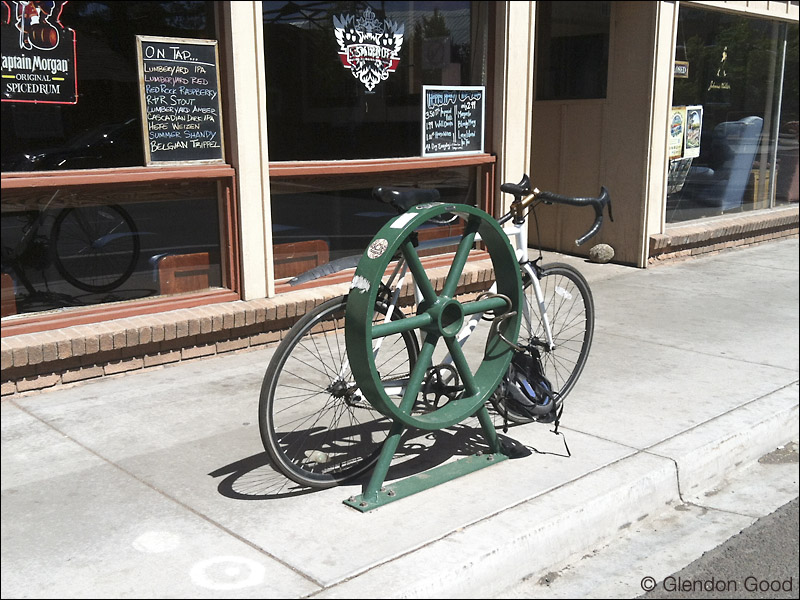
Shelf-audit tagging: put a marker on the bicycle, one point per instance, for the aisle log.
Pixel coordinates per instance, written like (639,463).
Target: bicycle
(94,248)
(316,424)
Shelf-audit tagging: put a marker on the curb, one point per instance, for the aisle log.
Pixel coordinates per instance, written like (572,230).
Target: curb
(538,535)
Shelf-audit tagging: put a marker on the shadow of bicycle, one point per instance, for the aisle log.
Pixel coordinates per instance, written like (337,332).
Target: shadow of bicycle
(255,478)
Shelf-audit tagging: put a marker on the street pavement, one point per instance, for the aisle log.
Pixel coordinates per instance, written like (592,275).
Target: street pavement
(155,484)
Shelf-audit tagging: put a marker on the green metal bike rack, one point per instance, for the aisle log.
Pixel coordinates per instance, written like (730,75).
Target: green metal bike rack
(439,318)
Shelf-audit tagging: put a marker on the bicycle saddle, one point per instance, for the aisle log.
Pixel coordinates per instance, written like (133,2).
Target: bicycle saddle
(402,198)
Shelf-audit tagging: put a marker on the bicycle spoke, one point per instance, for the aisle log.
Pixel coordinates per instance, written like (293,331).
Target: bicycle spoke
(316,426)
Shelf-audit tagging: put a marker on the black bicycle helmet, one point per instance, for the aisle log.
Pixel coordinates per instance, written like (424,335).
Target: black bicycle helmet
(528,391)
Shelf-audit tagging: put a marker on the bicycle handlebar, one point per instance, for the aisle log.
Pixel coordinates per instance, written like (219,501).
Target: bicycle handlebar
(524,196)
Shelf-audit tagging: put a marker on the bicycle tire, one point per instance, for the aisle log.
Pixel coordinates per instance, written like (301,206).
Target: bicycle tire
(95,248)
(314,429)
(570,309)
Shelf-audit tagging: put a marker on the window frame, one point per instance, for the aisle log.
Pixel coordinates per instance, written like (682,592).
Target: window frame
(228,209)
(97,178)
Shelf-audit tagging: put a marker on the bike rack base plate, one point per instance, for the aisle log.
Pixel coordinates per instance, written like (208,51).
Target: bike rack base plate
(424,481)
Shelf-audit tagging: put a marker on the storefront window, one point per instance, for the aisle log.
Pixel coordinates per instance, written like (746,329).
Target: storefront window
(100,125)
(733,128)
(324,105)
(345,82)
(339,217)
(71,101)
(79,247)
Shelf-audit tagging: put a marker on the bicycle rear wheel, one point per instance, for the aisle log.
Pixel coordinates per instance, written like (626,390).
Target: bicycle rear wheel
(95,248)
(570,311)
(317,428)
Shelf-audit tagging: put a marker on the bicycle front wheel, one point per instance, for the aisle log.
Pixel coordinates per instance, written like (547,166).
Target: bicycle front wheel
(317,428)
(95,248)
(569,306)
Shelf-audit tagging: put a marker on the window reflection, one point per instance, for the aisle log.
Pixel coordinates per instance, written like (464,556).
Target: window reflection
(316,220)
(79,247)
(742,73)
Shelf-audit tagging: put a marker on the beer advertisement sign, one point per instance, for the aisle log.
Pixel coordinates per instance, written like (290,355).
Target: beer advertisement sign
(38,54)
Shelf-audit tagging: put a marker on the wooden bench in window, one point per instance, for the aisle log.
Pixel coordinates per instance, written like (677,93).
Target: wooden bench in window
(293,258)
(179,273)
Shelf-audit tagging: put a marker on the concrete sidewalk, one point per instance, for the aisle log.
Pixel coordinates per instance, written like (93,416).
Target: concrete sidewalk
(155,484)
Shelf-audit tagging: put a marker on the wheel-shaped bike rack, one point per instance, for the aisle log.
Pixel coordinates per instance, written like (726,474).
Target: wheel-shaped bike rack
(439,319)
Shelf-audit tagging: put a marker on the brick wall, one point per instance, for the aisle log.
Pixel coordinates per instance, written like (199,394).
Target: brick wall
(41,360)
(701,238)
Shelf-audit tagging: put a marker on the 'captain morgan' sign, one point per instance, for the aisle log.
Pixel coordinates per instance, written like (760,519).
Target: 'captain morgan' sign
(38,54)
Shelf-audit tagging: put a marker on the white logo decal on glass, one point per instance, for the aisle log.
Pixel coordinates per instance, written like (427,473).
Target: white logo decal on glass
(368,47)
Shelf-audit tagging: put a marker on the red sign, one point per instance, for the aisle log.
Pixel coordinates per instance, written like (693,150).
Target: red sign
(38,54)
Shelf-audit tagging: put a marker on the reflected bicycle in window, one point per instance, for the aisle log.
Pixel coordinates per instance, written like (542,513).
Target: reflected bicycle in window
(94,248)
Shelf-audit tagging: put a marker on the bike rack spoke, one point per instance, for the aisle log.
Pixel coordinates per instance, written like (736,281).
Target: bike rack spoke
(417,375)
(460,258)
(418,271)
(463,368)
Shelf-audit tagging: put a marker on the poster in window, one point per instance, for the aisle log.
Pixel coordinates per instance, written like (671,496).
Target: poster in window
(38,54)
(677,126)
(452,120)
(694,126)
(181,107)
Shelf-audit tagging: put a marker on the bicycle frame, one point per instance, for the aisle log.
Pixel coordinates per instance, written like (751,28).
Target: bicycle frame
(514,223)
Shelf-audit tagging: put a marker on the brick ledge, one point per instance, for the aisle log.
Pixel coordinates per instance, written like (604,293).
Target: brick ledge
(35,361)
(715,235)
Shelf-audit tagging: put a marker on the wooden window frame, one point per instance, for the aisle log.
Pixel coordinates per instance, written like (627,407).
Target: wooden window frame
(223,174)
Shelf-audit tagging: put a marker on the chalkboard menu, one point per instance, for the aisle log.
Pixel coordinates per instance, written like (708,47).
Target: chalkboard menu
(181,110)
(452,119)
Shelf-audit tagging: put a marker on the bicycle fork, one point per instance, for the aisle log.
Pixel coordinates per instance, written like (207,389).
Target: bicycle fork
(528,267)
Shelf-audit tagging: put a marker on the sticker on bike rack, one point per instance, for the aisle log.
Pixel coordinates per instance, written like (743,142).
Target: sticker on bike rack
(400,221)
(428,205)
(377,248)
(360,283)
